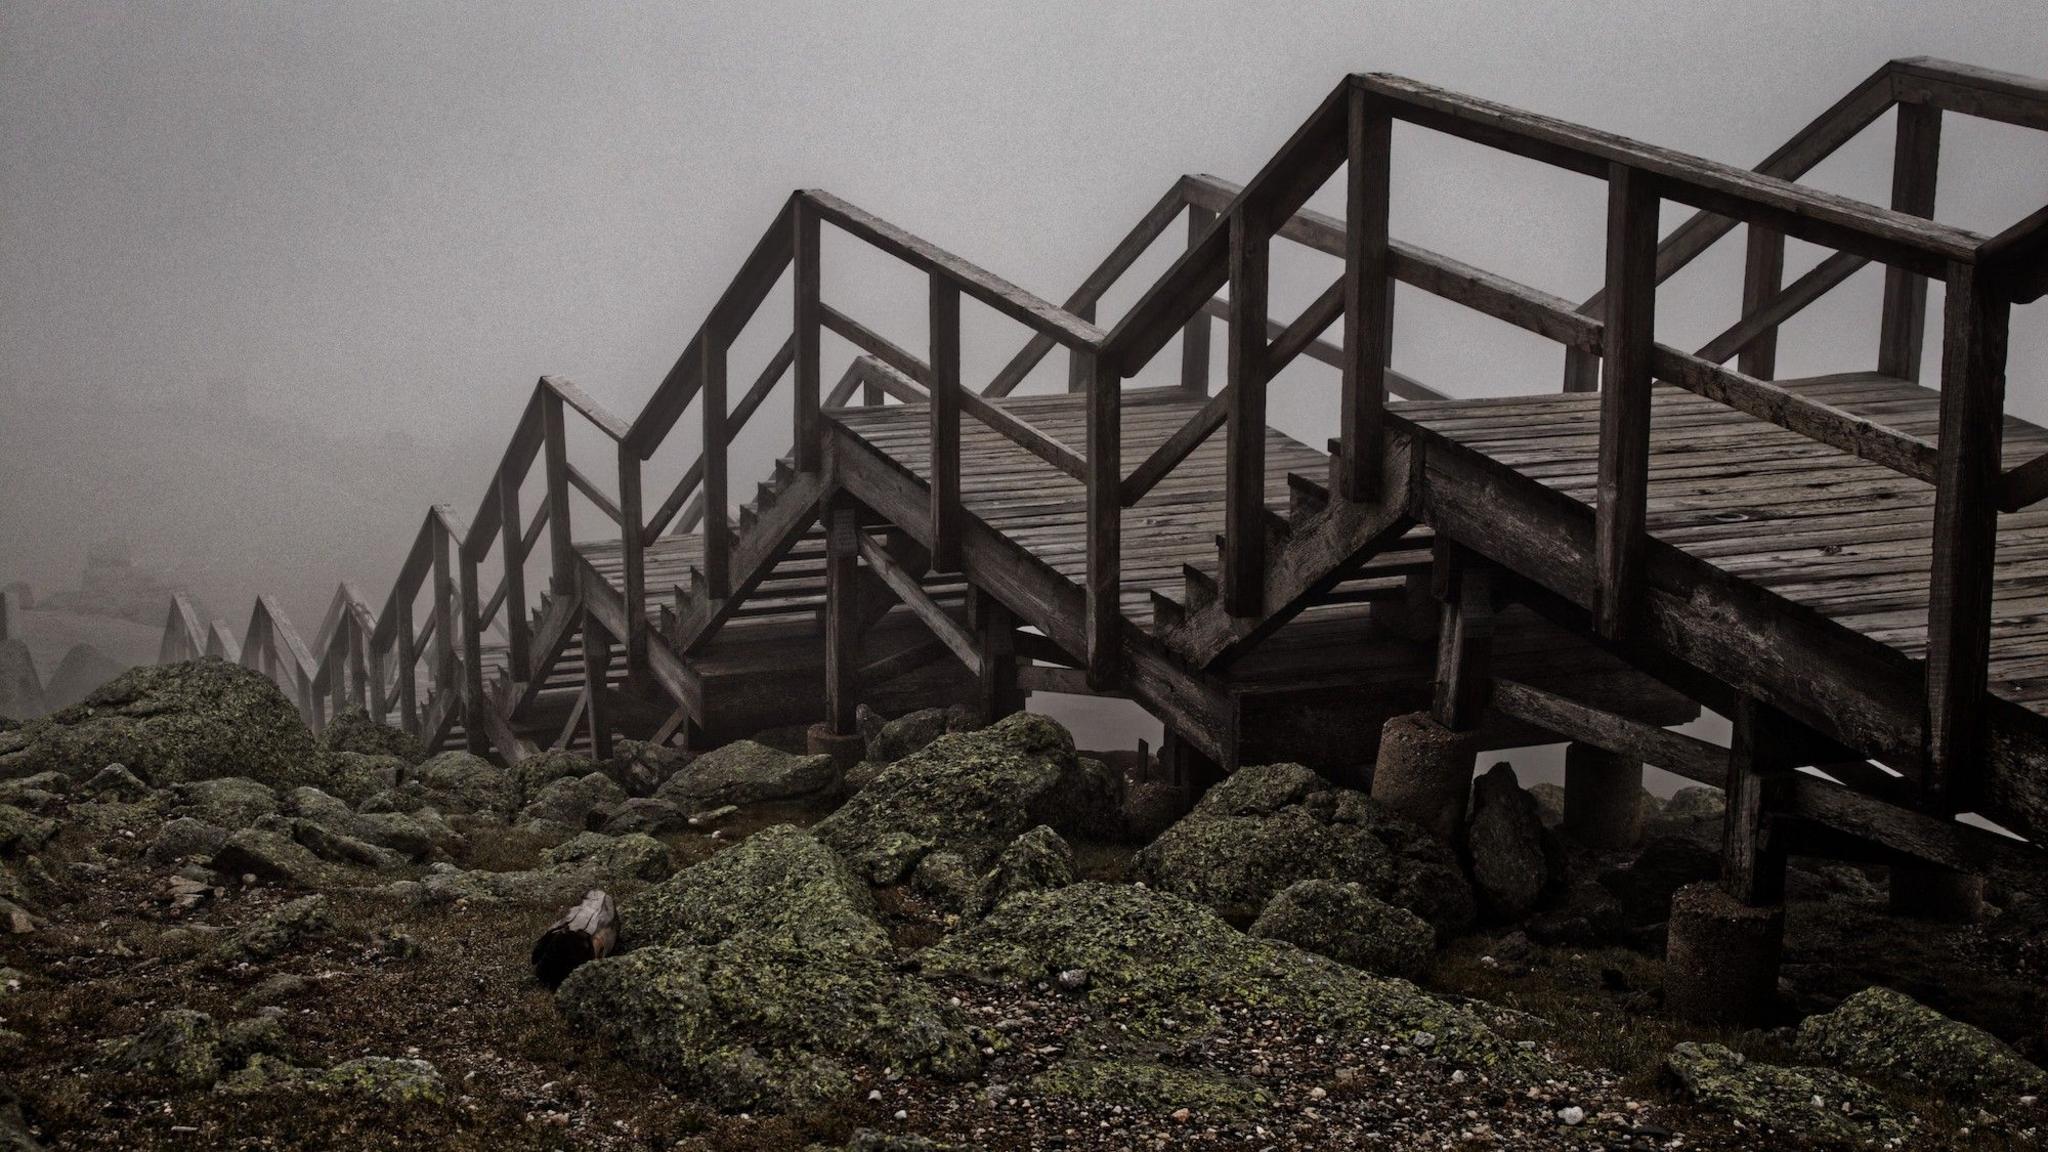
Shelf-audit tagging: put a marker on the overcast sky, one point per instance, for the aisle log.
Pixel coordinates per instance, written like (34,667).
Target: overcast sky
(384,220)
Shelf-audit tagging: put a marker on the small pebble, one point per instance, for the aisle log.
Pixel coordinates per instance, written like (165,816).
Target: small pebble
(1572,1115)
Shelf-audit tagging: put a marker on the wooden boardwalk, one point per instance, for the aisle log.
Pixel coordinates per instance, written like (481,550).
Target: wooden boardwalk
(1850,568)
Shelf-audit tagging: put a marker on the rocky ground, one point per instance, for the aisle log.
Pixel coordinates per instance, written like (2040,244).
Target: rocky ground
(224,932)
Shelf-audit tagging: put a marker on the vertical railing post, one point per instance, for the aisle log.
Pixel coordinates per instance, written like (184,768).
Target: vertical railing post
(597,659)
(336,659)
(1368,292)
(1762,274)
(561,546)
(633,577)
(716,529)
(403,641)
(1244,494)
(1916,160)
(1967,476)
(511,526)
(373,661)
(444,619)
(1624,466)
(1105,519)
(1077,379)
(805,272)
(945,424)
(359,665)
(475,733)
(842,617)
(1194,336)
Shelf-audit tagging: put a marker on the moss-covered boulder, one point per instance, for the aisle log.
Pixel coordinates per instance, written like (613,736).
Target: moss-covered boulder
(279,931)
(1160,969)
(543,768)
(1807,1104)
(1349,925)
(1033,862)
(1888,1035)
(1145,1084)
(354,731)
(230,801)
(178,1044)
(631,857)
(972,793)
(386,1079)
(575,801)
(744,772)
(173,723)
(1266,828)
(759,979)
(462,784)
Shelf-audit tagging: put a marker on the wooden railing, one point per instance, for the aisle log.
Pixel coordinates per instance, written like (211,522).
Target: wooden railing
(1352,129)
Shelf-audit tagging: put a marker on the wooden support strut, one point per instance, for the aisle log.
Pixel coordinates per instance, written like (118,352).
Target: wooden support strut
(597,658)
(1760,779)
(1464,639)
(1368,298)
(1915,161)
(945,424)
(1625,397)
(717,535)
(1103,581)
(842,617)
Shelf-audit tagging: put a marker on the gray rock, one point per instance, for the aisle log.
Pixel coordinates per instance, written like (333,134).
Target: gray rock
(895,739)
(1818,1104)
(1505,842)
(271,858)
(1265,828)
(972,793)
(1036,861)
(631,857)
(356,776)
(744,772)
(354,731)
(944,879)
(1151,808)
(460,784)
(229,801)
(1887,1035)
(83,669)
(183,838)
(1349,925)
(178,1045)
(272,990)
(22,832)
(115,782)
(281,930)
(328,843)
(646,814)
(536,772)
(41,784)
(384,1079)
(575,801)
(21,690)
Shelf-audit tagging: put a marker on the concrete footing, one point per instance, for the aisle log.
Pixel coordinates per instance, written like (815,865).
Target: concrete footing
(1424,772)
(1603,797)
(1721,957)
(846,750)
(1927,892)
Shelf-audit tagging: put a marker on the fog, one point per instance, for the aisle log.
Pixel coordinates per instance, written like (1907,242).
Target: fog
(274,278)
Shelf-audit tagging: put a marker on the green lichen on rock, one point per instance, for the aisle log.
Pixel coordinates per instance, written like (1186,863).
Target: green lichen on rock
(1137,1083)
(635,856)
(357,776)
(354,731)
(386,1079)
(173,723)
(177,1044)
(22,833)
(1164,966)
(273,858)
(744,772)
(1815,1104)
(279,931)
(1265,828)
(462,784)
(1349,925)
(759,978)
(1888,1035)
(1036,861)
(542,768)
(972,793)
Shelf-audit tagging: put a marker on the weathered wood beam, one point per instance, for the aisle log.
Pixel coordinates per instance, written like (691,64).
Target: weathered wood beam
(1916,162)
(1103,580)
(593,493)
(807,263)
(1763,274)
(944,414)
(1755,336)
(842,616)
(1368,288)
(597,658)
(912,594)
(1933,839)
(561,545)
(1464,646)
(1630,333)
(1693,759)
(715,441)
(1965,534)
(1244,492)
(1195,338)
(1971,91)
(1759,782)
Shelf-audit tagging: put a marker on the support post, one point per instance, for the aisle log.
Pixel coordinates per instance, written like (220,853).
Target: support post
(408,658)
(1195,337)
(359,667)
(1368,298)
(1967,478)
(1759,780)
(1762,275)
(995,639)
(1077,378)
(808,319)
(945,424)
(475,732)
(518,630)
(1424,772)
(561,546)
(1105,522)
(1244,494)
(597,658)
(1916,160)
(1603,797)
(633,576)
(717,530)
(1624,466)
(444,619)
(1464,640)
(842,618)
